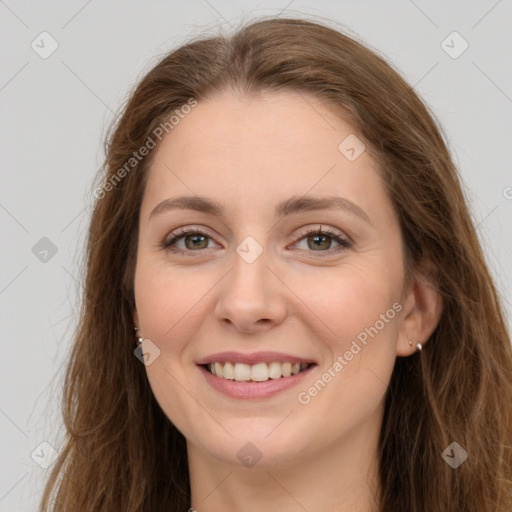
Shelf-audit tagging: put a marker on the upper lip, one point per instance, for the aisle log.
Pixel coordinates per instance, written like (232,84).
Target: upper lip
(253,358)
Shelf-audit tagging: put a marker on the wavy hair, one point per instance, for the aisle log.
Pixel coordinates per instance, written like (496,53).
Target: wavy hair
(122,454)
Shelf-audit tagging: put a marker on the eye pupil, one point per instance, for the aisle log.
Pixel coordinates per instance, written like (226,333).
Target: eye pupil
(195,241)
(320,238)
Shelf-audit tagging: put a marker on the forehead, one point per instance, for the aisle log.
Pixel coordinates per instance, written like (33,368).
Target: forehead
(277,125)
(268,147)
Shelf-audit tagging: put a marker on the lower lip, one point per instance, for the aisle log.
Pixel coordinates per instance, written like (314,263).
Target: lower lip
(248,389)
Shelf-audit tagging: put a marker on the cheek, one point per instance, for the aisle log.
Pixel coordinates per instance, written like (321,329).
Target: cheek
(170,305)
(360,305)
(353,299)
(167,301)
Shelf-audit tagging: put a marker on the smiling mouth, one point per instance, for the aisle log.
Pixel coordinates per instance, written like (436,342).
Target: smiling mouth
(260,372)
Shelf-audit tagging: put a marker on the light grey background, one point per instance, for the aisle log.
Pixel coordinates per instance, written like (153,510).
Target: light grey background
(55,112)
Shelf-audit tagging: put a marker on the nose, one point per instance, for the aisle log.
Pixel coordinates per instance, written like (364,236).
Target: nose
(251,298)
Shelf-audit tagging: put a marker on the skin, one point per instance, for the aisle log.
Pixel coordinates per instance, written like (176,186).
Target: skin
(249,154)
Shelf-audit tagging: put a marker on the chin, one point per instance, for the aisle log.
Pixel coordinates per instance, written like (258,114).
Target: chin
(260,445)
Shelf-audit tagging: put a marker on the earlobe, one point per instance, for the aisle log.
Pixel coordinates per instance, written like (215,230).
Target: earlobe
(419,346)
(423,307)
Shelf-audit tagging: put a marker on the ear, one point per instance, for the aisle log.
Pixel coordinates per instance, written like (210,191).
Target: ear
(422,310)
(135,318)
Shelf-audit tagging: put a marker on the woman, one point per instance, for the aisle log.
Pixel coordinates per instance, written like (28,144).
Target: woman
(286,306)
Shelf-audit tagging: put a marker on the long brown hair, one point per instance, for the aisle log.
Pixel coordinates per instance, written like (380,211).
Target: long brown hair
(121,453)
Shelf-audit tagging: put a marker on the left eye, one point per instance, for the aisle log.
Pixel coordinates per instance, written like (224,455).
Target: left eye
(321,241)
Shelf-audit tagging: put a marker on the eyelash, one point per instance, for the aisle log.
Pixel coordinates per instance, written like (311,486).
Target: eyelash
(344,243)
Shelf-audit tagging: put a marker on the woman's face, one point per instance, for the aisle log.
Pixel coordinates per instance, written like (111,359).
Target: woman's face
(254,287)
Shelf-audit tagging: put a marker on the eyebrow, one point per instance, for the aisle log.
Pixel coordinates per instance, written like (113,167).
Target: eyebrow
(288,207)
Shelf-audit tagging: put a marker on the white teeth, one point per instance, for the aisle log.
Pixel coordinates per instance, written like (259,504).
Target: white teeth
(274,370)
(229,371)
(286,369)
(219,370)
(242,371)
(259,372)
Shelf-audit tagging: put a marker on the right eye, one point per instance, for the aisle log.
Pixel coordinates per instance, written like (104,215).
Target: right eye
(186,240)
